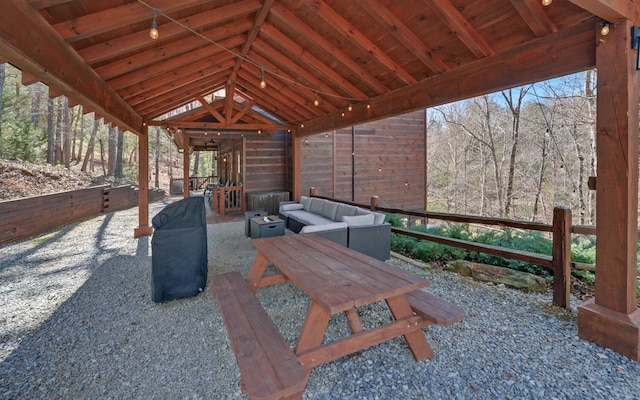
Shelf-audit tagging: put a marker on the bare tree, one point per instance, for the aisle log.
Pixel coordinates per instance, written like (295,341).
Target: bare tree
(90,146)
(119,149)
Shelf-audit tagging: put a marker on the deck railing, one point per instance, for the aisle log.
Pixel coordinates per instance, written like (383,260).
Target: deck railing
(226,199)
(561,229)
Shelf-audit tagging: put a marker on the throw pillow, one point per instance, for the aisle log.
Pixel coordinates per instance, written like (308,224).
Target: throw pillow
(359,220)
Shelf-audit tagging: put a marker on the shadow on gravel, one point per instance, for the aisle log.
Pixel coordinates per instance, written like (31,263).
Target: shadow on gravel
(110,339)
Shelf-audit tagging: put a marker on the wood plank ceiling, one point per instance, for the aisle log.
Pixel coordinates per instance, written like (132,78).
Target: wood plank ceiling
(360,60)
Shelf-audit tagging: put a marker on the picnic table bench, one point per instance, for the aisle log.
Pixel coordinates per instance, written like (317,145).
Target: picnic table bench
(268,367)
(338,280)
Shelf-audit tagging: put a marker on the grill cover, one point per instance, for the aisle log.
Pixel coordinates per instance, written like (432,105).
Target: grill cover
(179,250)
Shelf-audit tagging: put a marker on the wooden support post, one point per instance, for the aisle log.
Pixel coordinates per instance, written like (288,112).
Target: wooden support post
(143,228)
(374,202)
(561,256)
(296,183)
(612,318)
(185,167)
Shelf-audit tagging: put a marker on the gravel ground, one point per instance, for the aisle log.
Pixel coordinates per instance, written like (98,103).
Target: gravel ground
(77,322)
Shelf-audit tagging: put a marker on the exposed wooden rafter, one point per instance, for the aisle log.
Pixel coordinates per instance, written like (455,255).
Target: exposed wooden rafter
(43,53)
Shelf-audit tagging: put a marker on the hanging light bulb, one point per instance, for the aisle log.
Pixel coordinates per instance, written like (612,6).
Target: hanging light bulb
(259,131)
(316,102)
(153,33)
(546,2)
(604,31)
(263,83)
(350,108)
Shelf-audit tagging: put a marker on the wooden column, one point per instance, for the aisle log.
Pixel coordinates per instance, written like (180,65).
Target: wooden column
(612,319)
(185,166)
(295,166)
(143,228)
(561,253)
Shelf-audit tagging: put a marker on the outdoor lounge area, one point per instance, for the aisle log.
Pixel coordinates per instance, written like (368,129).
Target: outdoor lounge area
(92,331)
(292,95)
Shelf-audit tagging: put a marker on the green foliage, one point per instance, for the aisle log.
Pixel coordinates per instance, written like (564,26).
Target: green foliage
(21,141)
(582,249)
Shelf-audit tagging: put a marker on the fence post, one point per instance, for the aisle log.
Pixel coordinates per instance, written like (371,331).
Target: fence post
(374,202)
(561,256)
(312,191)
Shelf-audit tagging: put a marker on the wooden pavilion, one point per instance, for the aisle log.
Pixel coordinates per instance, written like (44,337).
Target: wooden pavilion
(301,68)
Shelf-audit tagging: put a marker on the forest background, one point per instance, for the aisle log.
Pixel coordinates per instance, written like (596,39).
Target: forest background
(513,154)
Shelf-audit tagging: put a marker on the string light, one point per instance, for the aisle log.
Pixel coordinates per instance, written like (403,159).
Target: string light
(546,2)
(350,108)
(263,83)
(238,55)
(316,102)
(153,32)
(259,131)
(368,106)
(604,31)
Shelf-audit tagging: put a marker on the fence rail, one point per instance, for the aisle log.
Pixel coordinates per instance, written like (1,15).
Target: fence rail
(561,230)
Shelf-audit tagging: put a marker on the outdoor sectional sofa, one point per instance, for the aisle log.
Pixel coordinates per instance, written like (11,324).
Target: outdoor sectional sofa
(350,226)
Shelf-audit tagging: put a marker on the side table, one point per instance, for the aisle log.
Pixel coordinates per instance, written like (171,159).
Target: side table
(268,226)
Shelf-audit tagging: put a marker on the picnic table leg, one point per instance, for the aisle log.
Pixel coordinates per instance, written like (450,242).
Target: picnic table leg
(257,271)
(354,320)
(417,341)
(313,329)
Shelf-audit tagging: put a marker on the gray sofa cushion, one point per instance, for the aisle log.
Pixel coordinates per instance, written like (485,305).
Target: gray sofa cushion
(325,227)
(345,209)
(359,220)
(309,218)
(306,202)
(379,218)
(329,210)
(291,207)
(316,206)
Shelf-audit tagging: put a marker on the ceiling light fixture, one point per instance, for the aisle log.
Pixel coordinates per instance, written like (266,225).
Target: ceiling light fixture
(263,83)
(604,31)
(546,2)
(153,32)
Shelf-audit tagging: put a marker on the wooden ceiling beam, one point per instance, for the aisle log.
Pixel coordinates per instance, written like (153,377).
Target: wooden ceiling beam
(200,68)
(564,52)
(117,17)
(216,125)
(301,55)
(210,108)
(284,16)
(307,83)
(218,72)
(301,100)
(450,15)
(274,101)
(404,35)
(170,30)
(532,11)
(174,63)
(353,35)
(42,53)
(251,37)
(190,48)
(40,4)
(180,95)
(609,10)
(247,107)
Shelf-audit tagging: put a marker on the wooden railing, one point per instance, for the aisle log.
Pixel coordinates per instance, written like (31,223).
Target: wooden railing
(200,182)
(226,199)
(561,230)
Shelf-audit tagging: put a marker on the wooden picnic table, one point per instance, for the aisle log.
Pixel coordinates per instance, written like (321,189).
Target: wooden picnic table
(339,279)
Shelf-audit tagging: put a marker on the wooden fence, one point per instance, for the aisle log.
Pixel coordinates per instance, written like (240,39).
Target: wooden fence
(561,231)
(30,216)
(226,199)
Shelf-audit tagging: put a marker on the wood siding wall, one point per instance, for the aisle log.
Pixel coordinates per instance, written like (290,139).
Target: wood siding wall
(267,162)
(386,158)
